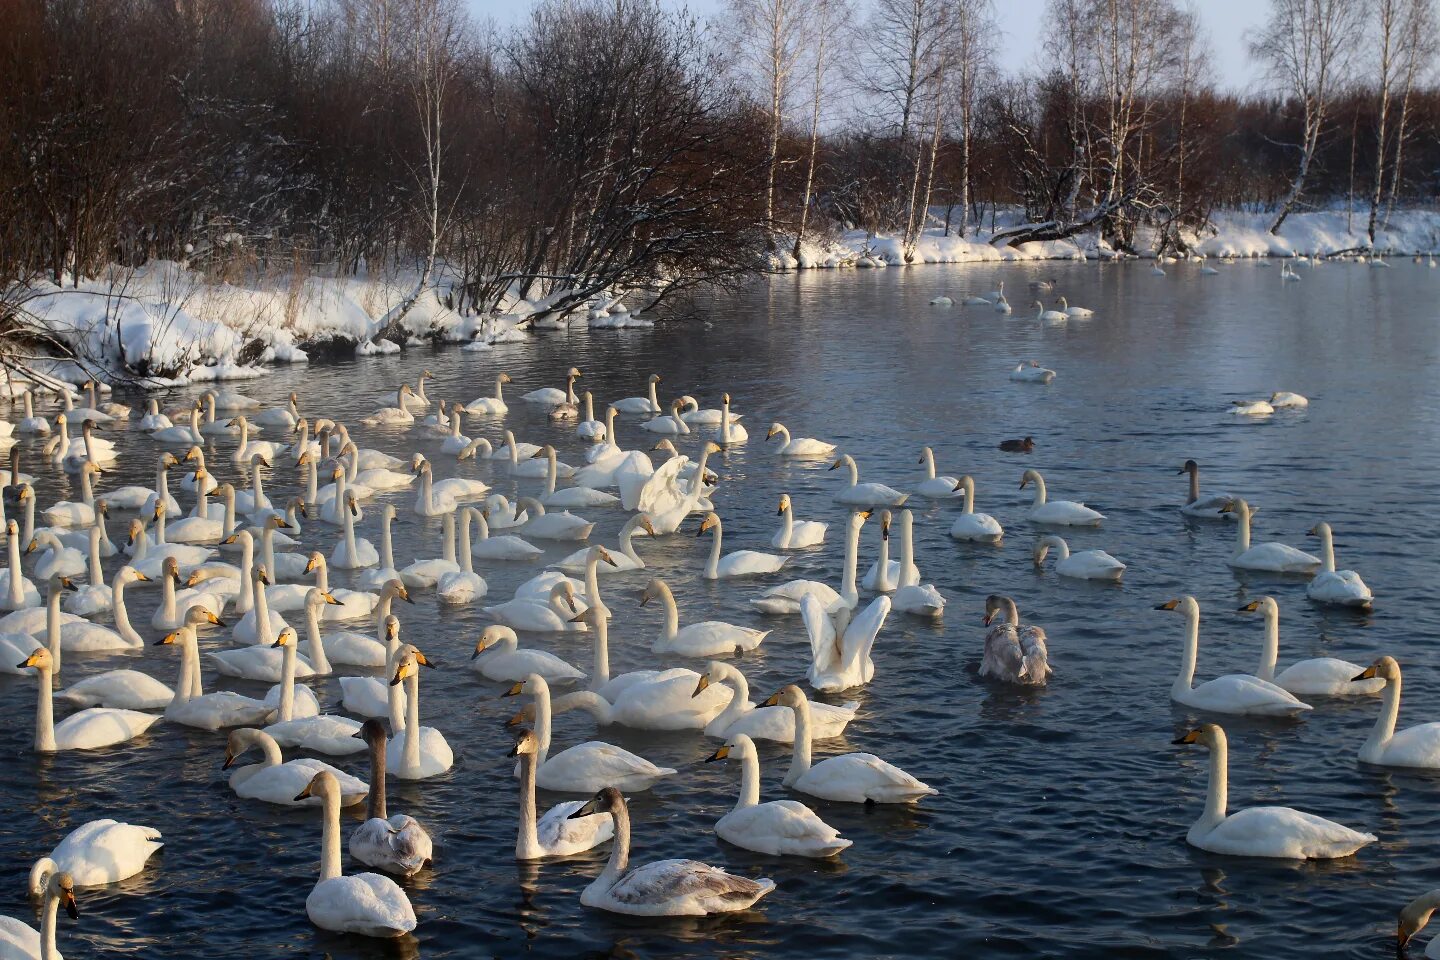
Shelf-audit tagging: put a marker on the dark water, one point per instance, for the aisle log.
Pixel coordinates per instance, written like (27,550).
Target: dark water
(1059,829)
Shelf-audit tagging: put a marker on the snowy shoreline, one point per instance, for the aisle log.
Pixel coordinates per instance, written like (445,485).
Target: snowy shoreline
(1232,234)
(164,325)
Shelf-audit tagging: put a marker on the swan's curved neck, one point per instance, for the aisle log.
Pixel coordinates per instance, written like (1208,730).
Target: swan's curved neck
(387,545)
(1194,486)
(1384,727)
(1270,652)
(349,534)
(800,753)
(246,601)
(17,594)
(600,671)
(620,851)
(427,485)
(330,836)
(882,565)
(315,644)
(552,472)
(287,683)
(45,712)
(1186,676)
(120,614)
(654,399)
(263,632)
(542,726)
(787,525)
(929,464)
(853,470)
(600,709)
(592,585)
(1217,795)
(1040,493)
(672,612)
(462,550)
(738,706)
(749,780)
(1327,547)
(848,591)
(410,758)
(527,840)
(48,949)
(167,596)
(1242,528)
(52,628)
(712,566)
(376,801)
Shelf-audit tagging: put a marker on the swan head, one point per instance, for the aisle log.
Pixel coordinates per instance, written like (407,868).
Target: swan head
(40,659)
(372,731)
(130,575)
(653,378)
(1265,604)
(533,685)
(392,628)
(418,463)
(1187,605)
(1030,476)
(408,663)
(608,800)
(526,714)
(1207,734)
(784,504)
(775,430)
(574,374)
(1386,668)
(885,520)
(999,604)
(287,638)
(526,744)
(493,635)
(858,518)
(966,483)
(1413,919)
(504,378)
(396,588)
(1190,466)
(323,785)
(171,568)
(318,598)
(1042,548)
(787,696)
(1321,529)
(1238,506)
(200,617)
(654,590)
(260,575)
(737,747)
(350,502)
(25,494)
(710,522)
(642,521)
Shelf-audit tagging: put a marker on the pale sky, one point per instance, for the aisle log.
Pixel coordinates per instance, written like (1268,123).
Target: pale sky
(1226,21)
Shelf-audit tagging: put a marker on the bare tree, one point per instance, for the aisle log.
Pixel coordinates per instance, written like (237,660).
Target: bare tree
(975,33)
(905,38)
(1416,51)
(436,28)
(1306,46)
(769,35)
(1387,37)
(821,24)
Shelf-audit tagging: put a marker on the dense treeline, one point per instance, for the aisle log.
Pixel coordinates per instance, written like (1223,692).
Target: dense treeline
(620,144)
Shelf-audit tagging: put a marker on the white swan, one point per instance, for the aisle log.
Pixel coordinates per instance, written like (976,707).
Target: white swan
(728,432)
(840,645)
(377,576)
(463,585)
(911,596)
(848,777)
(553,396)
(785,599)
(90,729)
(1068,310)
(1418,912)
(590,428)
(424,752)
(97,853)
(865,494)
(276,780)
(555,834)
(664,888)
(1082,565)
(1014,652)
(193,707)
(932,486)
(741,715)
(799,446)
(396,844)
(1284,399)
(369,904)
(18,592)
(1048,316)
(778,827)
(623,559)
(552,614)
(423,574)
(1059,513)
(1278,832)
(503,547)
(1272,556)
(587,766)
(796,534)
(20,941)
(492,406)
(972,526)
(1208,507)
(58,560)
(397,415)
(1032,372)
(1342,588)
(352,552)
(646,404)
(1251,408)
(707,638)
(497,656)
(740,563)
(1414,747)
(310,729)
(571,496)
(1317,677)
(562,525)
(377,697)
(1235,693)
(671,425)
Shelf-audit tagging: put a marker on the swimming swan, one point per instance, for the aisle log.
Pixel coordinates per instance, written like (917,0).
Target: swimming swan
(1235,693)
(1279,832)
(1415,747)
(396,844)
(1317,677)
(1342,588)
(1082,565)
(1059,513)
(1271,557)
(778,827)
(556,834)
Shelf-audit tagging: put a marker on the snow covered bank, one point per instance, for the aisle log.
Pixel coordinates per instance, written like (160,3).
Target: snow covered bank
(1231,234)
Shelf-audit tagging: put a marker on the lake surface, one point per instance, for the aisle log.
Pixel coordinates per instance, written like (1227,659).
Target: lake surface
(1060,824)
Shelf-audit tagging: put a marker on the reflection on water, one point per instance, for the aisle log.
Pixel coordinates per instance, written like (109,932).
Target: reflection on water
(1060,825)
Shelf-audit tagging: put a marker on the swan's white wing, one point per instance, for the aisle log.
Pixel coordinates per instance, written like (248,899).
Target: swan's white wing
(560,835)
(861,633)
(1283,832)
(659,492)
(364,903)
(1035,653)
(824,651)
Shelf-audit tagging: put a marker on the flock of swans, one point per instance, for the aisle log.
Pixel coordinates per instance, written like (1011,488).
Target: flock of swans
(247,571)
